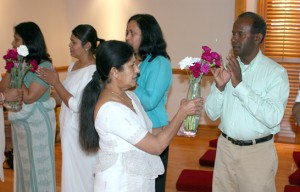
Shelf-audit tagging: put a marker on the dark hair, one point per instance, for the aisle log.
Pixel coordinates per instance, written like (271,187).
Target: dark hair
(152,40)
(108,55)
(33,38)
(258,23)
(87,33)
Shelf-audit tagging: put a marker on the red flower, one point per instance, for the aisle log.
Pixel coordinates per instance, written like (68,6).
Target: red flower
(9,65)
(34,65)
(196,69)
(14,60)
(11,54)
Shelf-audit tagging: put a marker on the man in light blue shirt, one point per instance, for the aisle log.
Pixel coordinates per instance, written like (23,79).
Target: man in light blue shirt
(249,95)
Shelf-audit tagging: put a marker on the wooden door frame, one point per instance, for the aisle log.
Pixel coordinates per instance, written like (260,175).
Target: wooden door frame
(240,7)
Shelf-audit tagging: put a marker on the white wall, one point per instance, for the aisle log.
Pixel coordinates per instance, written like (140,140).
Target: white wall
(187,25)
(251,6)
(49,15)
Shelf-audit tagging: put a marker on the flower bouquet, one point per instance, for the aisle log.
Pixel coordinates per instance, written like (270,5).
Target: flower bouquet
(196,68)
(17,65)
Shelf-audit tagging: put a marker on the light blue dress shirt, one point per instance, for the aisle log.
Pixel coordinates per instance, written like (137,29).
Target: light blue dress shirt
(152,89)
(298,96)
(256,106)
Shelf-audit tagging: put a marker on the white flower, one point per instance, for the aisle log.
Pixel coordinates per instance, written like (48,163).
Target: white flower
(22,50)
(187,62)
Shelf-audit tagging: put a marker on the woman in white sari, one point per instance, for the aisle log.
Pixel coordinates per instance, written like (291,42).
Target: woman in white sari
(113,119)
(77,165)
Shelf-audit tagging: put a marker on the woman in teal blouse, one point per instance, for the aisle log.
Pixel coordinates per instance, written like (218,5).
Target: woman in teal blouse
(144,34)
(33,127)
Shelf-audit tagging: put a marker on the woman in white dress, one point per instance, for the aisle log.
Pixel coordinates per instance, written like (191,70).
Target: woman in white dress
(113,119)
(77,165)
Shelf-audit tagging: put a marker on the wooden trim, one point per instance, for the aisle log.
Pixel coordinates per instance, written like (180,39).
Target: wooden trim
(58,69)
(61,68)
(178,71)
(261,7)
(175,71)
(240,7)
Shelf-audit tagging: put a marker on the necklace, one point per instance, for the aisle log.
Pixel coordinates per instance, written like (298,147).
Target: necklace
(122,98)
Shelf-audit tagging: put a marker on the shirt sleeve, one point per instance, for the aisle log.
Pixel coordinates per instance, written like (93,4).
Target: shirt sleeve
(156,82)
(74,102)
(267,107)
(117,119)
(214,103)
(298,97)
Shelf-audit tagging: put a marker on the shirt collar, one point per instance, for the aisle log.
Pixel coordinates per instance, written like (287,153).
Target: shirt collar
(252,63)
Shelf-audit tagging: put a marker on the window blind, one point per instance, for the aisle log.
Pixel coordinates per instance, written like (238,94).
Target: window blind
(282,44)
(282,41)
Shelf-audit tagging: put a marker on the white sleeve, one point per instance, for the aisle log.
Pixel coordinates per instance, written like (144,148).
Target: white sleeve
(298,97)
(119,120)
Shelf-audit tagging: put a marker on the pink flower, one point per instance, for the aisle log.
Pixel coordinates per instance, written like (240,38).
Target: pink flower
(205,68)
(196,69)
(207,56)
(218,63)
(215,55)
(217,59)
(206,49)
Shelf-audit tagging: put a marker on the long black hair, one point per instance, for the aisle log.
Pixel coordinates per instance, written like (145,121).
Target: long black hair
(152,41)
(87,33)
(33,38)
(108,55)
